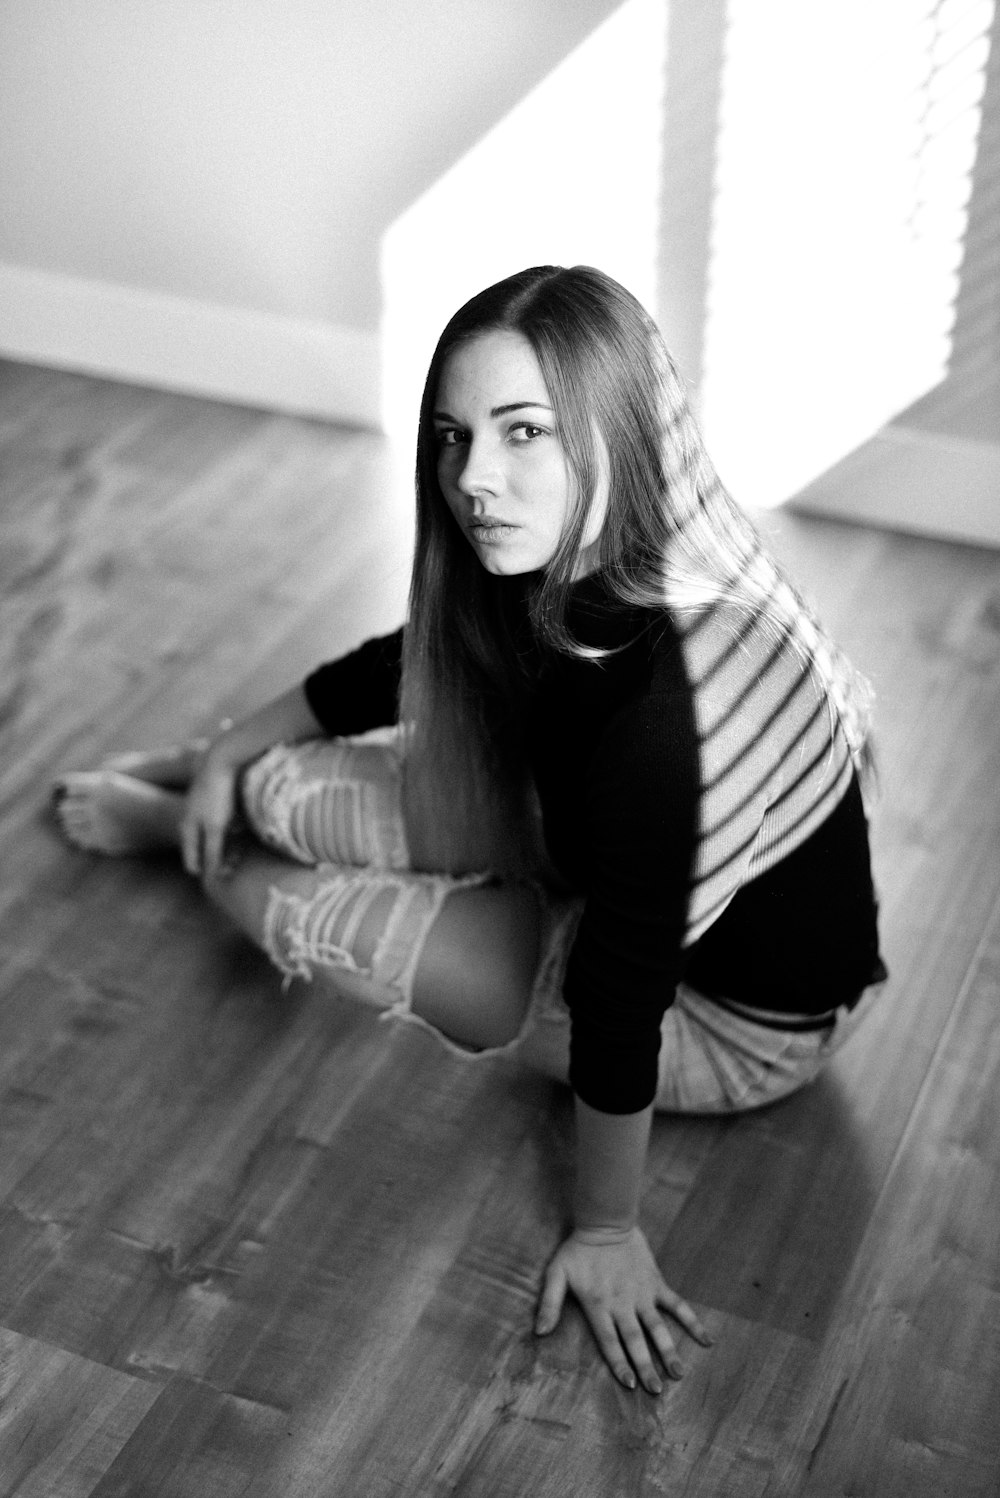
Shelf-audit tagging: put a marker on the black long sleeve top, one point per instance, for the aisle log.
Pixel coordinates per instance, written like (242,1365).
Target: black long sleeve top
(697,790)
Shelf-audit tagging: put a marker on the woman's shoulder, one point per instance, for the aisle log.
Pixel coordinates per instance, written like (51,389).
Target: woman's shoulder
(726,642)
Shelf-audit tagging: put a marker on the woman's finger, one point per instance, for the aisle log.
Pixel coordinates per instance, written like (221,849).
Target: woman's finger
(607,1340)
(632,1335)
(659,1334)
(190,846)
(551,1304)
(682,1312)
(213,838)
(210,807)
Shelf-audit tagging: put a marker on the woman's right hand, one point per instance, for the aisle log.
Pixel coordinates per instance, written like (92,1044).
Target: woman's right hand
(211,807)
(213,798)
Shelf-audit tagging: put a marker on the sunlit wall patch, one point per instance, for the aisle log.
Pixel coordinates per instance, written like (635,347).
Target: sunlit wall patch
(570,176)
(847,141)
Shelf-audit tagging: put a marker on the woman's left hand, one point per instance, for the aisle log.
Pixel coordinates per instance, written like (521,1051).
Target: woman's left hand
(615,1278)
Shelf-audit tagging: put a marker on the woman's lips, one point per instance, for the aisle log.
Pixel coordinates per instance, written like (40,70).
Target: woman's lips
(491,532)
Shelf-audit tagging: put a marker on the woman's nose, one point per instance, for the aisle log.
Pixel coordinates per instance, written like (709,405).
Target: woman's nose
(481,471)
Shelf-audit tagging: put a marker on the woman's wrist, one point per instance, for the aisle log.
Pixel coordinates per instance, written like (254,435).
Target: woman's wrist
(602,1237)
(233,747)
(610,1161)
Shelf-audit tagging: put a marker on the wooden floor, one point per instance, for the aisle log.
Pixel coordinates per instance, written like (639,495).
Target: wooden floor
(265,1245)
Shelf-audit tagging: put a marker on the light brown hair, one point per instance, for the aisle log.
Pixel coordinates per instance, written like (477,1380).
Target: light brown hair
(672,538)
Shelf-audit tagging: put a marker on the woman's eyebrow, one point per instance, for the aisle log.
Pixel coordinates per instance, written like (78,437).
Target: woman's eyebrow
(500,410)
(520,406)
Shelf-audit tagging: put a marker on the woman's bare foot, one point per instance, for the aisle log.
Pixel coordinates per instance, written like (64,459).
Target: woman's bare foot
(106,811)
(173,767)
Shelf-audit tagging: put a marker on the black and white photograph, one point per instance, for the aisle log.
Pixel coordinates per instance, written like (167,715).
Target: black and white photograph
(499,749)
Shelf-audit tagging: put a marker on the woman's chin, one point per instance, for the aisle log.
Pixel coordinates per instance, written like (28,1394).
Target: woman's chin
(507,560)
(506,566)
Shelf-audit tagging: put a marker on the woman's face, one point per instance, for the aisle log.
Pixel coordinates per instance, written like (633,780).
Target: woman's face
(501,466)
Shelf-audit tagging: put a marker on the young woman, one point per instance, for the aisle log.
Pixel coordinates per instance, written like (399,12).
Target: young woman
(599,800)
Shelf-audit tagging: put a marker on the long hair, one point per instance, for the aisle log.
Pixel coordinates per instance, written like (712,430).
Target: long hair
(672,537)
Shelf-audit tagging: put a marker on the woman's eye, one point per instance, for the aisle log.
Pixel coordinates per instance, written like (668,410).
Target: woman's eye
(448,436)
(526,431)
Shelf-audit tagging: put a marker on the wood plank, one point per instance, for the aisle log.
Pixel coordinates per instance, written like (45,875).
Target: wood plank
(234,1437)
(63,1419)
(134,593)
(313,1241)
(911,1361)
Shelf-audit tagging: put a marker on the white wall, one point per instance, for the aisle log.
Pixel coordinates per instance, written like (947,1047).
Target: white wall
(571,175)
(239,156)
(196,192)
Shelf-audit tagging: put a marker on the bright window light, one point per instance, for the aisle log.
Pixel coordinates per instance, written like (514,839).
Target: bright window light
(847,141)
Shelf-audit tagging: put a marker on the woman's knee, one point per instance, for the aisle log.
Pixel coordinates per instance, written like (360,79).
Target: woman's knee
(462,953)
(329,801)
(477,969)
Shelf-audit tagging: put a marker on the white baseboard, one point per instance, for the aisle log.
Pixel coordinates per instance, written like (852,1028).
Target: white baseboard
(173,342)
(908,479)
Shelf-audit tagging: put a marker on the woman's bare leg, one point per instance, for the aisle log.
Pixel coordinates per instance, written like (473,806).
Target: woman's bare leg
(132,802)
(173,767)
(477,947)
(105,811)
(110,809)
(474,976)
(477,969)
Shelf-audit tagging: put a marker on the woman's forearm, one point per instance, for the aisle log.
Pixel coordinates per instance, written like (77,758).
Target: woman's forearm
(285,720)
(610,1160)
